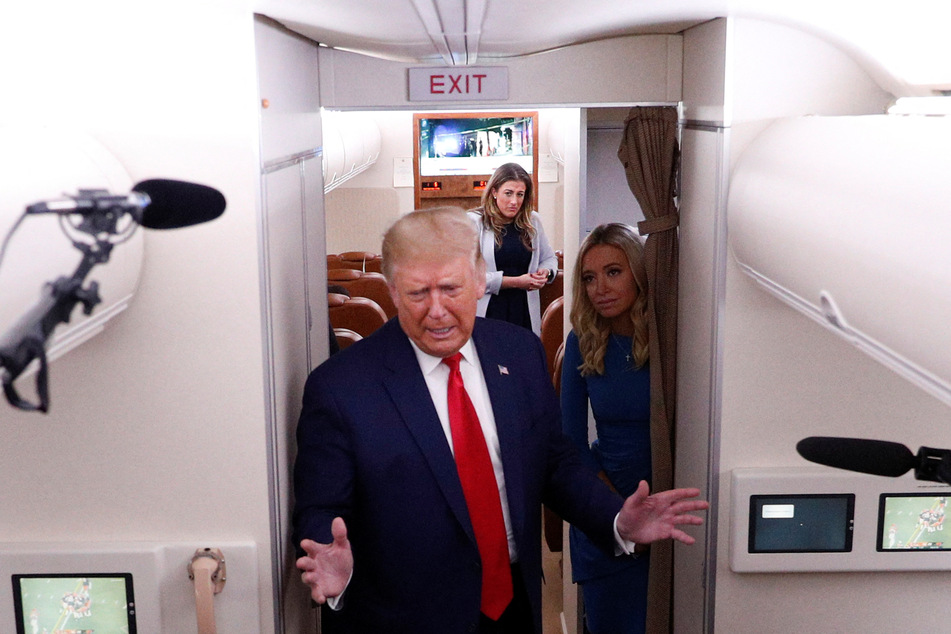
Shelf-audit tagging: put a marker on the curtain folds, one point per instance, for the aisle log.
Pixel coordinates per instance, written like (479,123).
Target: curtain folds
(650,156)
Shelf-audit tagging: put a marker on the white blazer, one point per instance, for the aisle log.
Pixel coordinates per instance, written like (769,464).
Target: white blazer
(543,257)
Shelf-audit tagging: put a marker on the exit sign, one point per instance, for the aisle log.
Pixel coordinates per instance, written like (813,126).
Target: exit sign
(459,83)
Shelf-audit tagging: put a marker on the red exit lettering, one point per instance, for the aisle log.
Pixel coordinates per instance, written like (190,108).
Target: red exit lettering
(463,83)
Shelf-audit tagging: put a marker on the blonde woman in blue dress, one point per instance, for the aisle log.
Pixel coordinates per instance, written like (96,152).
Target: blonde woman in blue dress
(606,365)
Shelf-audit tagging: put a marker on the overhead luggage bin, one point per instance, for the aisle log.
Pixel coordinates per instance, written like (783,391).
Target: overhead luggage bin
(848,220)
(351,145)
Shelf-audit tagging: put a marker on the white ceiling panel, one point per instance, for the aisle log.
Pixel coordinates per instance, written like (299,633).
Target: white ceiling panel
(906,40)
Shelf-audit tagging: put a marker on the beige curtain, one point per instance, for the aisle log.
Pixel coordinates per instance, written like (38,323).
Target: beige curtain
(650,155)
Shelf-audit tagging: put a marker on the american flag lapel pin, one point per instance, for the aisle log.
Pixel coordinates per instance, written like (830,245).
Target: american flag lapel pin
(503,370)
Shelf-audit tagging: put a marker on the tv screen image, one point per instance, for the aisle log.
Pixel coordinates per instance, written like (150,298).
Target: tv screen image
(801,523)
(474,145)
(912,522)
(93,603)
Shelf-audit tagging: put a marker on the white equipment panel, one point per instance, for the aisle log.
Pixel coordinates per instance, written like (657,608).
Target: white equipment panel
(164,595)
(814,519)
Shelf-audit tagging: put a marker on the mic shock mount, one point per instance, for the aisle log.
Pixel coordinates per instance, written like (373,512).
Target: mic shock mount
(933,465)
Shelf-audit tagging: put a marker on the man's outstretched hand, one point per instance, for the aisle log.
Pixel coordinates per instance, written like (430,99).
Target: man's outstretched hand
(646,518)
(326,568)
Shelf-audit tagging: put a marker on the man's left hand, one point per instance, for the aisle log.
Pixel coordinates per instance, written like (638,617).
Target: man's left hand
(646,518)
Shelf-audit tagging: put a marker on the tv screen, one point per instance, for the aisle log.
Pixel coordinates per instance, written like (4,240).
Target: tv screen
(912,522)
(810,523)
(474,145)
(82,602)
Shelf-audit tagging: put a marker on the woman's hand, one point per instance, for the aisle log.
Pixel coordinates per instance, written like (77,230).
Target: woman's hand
(526,282)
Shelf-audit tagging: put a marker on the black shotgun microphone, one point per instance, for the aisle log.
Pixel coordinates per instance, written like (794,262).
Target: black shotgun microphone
(175,204)
(155,204)
(877,457)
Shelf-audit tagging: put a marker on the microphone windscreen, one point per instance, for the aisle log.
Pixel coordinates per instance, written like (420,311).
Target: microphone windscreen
(877,457)
(179,204)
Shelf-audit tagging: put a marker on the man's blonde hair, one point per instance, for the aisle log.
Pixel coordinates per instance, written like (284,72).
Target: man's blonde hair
(430,234)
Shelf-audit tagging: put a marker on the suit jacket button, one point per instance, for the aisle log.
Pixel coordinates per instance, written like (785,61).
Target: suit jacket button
(473,627)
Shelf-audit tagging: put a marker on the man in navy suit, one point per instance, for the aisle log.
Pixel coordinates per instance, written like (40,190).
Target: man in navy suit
(380,513)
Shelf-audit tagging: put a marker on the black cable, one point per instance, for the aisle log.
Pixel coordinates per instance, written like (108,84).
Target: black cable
(6,240)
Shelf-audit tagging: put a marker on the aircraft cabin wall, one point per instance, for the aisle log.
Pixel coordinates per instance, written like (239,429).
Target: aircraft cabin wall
(739,75)
(781,376)
(156,433)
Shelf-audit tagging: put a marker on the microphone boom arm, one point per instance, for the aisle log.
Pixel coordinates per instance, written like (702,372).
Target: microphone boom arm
(26,339)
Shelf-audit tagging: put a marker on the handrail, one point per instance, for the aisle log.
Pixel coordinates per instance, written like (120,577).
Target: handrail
(207,571)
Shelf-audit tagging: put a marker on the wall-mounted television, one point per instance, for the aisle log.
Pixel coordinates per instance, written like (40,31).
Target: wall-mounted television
(475,144)
(455,153)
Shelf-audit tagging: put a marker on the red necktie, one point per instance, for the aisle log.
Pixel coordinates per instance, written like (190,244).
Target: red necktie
(482,494)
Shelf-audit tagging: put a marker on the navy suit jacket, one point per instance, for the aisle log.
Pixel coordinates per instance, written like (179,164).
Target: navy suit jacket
(371,450)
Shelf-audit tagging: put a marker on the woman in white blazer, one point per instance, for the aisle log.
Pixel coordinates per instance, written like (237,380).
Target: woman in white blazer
(518,258)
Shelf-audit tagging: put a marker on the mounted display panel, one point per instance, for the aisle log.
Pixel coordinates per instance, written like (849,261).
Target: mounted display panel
(455,154)
(801,523)
(80,602)
(912,522)
(818,519)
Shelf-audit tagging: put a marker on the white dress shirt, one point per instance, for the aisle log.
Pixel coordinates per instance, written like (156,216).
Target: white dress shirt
(436,374)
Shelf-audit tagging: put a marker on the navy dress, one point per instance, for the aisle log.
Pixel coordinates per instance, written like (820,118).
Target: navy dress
(513,259)
(614,588)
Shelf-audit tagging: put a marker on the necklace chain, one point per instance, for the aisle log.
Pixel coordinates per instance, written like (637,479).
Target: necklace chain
(626,353)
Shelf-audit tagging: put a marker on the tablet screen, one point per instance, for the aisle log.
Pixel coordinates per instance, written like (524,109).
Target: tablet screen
(805,523)
(912,522)
(82,602)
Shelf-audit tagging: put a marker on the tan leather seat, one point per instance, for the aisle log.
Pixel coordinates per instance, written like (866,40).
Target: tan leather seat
(373,266)
(357,256)
(336,299)
(360,260)
(358,314)
(343,274)
(345,337)
(554,537)
(373,286)
(553,330)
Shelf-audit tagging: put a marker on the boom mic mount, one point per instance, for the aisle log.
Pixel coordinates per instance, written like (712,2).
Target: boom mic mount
(153,204)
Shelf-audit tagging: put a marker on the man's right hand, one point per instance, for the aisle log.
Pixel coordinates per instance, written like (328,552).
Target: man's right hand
(326,568)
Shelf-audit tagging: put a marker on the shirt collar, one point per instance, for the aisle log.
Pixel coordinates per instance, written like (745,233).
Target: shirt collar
(428,363)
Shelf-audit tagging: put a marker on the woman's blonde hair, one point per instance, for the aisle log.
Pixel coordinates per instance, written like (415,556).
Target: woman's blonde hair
(593,330)
(492,216)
